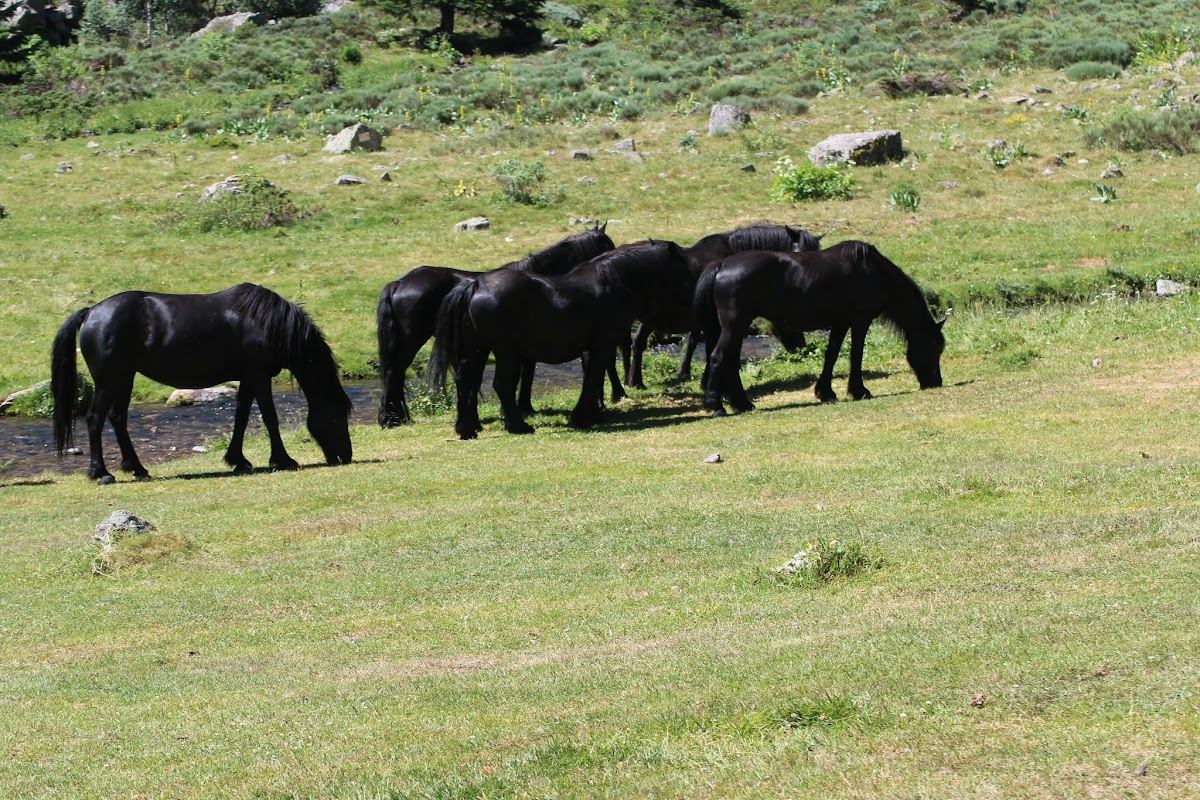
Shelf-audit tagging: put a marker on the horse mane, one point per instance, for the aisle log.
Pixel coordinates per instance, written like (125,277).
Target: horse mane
(572,250)
(908,312)
(613,268)
(289,330)
(760,237)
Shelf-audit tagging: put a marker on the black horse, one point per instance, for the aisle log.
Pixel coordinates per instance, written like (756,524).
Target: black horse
(712,248)
(522,316)
(408,306)
(842,288)
(245,333)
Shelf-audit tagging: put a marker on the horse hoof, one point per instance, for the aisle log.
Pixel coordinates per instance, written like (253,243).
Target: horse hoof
(105,480)
(718,412)
(285,466)
(242,469)
(141,476)
(829,397)
(520,429)
(865,395)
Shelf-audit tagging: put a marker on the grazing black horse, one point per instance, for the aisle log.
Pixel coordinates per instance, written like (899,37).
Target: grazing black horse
(408,306)
(522,316)
(245,333)
(842,288)
(712,248)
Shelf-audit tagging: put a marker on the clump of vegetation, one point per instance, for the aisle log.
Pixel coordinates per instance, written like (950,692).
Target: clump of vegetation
(1092,70)
(38,402)
(1105,193)
(1174,130)
(905,197)
(825,559)
(1158,49)
(138,550)
(248,202)
(808,182)
(524,182)
(1000,155)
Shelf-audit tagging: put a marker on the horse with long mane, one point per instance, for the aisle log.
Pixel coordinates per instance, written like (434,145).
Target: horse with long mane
(842,288)
(522,316)
(408,307)
(245,333)
(712,248)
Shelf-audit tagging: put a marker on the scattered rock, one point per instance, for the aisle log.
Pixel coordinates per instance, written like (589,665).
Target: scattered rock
(996,144)
(1017,100)
(1047,171)
(1112,171)
(579,221)
(863,149)
(726,119)
(386,177)
(27,156)
(473,224)
(334,6)
(3,212)
(231,185)
(1097,362)
(1083,162)
(624,146)
(199,449)
(579,155)
(1041,90)
(1142,770)
(17,395)
(911,84)
(64,167)
(1167,288)
(587,180)
(1187,58)
(120,523)
(356,137)
(282,159)
(349,180)
(949,184)
(978,701)
(230,22)
(92,145)
(188,397)
(631,156)
(749,168)
(715,458)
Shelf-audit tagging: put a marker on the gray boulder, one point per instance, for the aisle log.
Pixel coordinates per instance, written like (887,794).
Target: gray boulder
(56,24)
(120,523)
(473,224)
(349,180)
(1167,288)
(355,137)
(863,149)
(726,119)
(230,22)
(580,155)
(188,397)
(625,146)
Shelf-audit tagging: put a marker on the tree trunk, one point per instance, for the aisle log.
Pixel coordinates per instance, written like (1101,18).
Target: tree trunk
(447,26)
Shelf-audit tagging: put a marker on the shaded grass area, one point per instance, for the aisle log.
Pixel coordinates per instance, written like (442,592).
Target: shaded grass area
(579,613)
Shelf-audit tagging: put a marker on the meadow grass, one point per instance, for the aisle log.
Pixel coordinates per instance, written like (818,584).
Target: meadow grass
(584,614)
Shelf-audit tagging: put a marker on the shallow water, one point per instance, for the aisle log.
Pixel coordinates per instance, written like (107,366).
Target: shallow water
(160,433)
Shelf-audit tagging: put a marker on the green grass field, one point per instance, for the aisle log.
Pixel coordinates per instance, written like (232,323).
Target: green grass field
(595,614)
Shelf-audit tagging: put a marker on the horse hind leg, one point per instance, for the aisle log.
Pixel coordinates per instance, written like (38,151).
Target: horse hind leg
(689,350)
(508,374)
(525,393)
(118,416)
(96,414)
(261,388)
(234,456)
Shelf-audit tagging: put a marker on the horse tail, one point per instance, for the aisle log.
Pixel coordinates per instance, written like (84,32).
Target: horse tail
(451,322)
(64,380)
(704,305)
(389,335)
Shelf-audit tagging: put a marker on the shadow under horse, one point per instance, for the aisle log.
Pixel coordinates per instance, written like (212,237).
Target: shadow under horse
(189,341)
(523,317)
(842,288)
(714,247)
(408,306)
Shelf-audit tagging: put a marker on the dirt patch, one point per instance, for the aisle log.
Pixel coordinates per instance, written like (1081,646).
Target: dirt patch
(1094,262)
(1158,380)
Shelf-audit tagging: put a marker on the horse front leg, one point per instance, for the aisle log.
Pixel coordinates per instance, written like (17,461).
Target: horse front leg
(587,410)
(689,350)
(633,365)
(234,456)
(525,392)
(393,406)
(614,379)
(280,459)
(96,414)
(858,340)
(118,415)
(508,374)
(824,386)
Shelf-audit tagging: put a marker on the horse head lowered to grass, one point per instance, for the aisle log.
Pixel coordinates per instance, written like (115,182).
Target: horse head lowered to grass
(189,341)
(841,288)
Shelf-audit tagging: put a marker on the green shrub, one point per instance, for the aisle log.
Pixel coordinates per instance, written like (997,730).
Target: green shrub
(1157,49)
(252,203)
(38,402)
(1092,70)
(809,182)
(525,182)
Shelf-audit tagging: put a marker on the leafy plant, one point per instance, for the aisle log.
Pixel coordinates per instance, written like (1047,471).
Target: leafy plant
(524,182)
(1105,193)
(824,559)
(1076,112)
(1158,49)
(905,197)
(1092,70)
(999,156)
(809,182)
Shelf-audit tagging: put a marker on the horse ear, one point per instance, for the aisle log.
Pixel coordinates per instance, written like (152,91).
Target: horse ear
(600,227)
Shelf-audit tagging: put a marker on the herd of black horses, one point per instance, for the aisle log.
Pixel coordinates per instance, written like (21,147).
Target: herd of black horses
(577,298)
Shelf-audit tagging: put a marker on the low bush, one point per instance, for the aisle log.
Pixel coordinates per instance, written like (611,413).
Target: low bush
(1175,130)
(525,182)
(1092,70)
(809,182)
(823,560)
(251,203)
